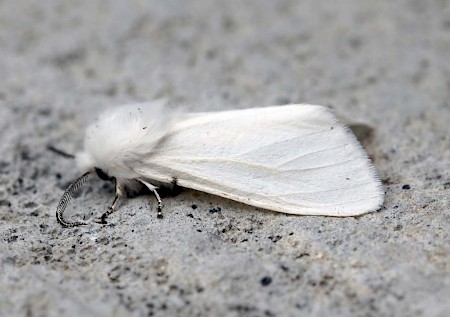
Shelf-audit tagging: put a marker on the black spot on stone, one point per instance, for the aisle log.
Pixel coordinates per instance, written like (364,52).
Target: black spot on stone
(275,238)
(190,215)
(11,239)
(5,203)
(398,227)
(194,206)
(266,280)
(215,210)
(25,154)
(406,186)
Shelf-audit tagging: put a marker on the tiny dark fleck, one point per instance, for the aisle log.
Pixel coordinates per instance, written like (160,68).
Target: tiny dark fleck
(275,238)
(284,267)
(215,210)
(12,239)
(144,128)
(190,215)
(291,233)
(199,230)
(25,155)
(395,207)
(44,112)
(30,204)
(406,187)
(447,185)
(103,241)
(355,43)
(398,227)
(35,213)
(194,206)
(283,100)
(266,280)
(3,167)
(5,203)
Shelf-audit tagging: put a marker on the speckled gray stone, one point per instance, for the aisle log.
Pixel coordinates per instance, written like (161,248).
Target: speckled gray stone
(61,62)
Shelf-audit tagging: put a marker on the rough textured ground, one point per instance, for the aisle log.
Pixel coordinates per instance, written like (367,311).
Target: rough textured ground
(385,61)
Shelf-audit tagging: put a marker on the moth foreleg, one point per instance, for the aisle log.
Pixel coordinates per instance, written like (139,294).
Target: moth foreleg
(153,188)
(120,191)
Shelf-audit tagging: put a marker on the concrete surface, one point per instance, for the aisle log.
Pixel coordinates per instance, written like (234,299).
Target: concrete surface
(63,61)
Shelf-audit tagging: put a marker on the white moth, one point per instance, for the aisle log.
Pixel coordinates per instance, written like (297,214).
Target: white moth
(295,159)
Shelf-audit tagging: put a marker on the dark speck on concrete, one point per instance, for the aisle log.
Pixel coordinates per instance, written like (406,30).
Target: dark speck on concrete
(275,238)
(215,210)
(266,280)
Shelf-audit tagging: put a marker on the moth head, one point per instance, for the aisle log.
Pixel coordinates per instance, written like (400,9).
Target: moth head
(84,161)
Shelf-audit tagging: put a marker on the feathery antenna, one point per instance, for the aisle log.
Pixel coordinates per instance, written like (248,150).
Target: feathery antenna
(66,198)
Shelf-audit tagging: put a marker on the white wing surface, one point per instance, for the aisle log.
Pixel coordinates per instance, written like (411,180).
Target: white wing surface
(296,159)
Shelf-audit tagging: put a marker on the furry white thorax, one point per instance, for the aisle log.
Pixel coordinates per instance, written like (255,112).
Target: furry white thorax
(122,136)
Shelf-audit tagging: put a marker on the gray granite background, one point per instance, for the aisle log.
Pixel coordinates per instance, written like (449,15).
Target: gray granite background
(61,62)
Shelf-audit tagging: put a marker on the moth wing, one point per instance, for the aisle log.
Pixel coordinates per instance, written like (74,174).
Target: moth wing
(296,159)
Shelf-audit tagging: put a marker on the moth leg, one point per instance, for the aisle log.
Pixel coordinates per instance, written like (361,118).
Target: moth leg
(119,193)
(154,191)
